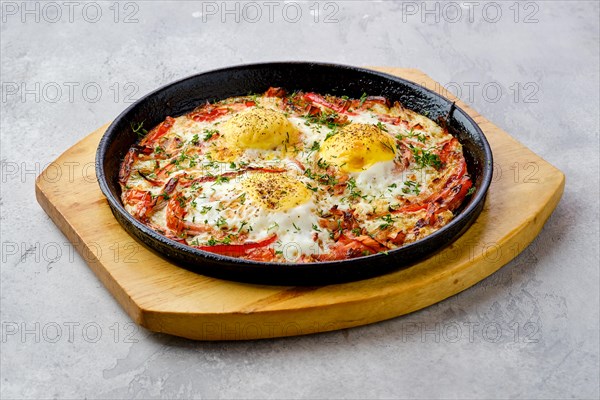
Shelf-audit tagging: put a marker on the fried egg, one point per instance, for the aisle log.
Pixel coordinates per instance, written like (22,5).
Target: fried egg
(243,206)
(276,191)
(259,128)
(357,147)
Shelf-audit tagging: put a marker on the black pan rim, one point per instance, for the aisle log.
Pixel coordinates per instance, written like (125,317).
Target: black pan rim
(116,205)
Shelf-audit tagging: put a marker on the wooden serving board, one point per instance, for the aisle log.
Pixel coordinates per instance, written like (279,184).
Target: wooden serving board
(165,298)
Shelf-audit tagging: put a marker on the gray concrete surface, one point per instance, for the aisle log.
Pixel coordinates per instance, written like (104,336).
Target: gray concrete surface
(528,331)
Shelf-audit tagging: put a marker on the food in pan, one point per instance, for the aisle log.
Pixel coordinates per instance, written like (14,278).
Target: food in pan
(295,177)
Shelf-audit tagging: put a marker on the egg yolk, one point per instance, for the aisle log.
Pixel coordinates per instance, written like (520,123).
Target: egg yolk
(276,191)
(259,128)
(357,147)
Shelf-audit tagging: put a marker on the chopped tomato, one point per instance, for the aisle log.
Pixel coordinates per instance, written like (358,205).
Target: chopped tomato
(447,149)
(389,119)
(261,254)
(132,196)
(143,202)
(165,171)
(314,98)
(209,112)
(453,196)
(158,132)
(128,161)
(275,92)
(175,215)
(350,247)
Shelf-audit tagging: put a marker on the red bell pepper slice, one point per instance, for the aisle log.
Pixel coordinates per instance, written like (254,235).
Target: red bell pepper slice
(318,99)
(237,249)
(158,132)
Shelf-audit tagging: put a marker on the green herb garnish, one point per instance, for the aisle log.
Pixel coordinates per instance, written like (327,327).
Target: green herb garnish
(411,187)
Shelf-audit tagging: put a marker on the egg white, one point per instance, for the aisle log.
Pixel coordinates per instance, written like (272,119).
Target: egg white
(294,227)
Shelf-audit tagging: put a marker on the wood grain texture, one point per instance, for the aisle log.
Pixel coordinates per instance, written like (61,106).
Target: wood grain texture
(165,298)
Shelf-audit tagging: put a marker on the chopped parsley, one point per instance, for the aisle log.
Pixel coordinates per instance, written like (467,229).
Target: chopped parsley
(309,173)
(209,133)
(322,164)
(354,192)
(362,99)
(182,157)
(425,158)
(220,179)
(388,221)
(243,224)
(221,222)
(311,187)
(226,240)
(330,134)
(411,187)
(205,209)
(388,146)
(412,135)
(138,129)
(242,198)
(329,119)
(327,179)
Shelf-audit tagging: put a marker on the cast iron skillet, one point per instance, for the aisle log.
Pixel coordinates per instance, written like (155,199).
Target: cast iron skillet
(182,96)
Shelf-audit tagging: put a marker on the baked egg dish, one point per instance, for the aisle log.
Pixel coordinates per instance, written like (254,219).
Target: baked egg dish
(295,177)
